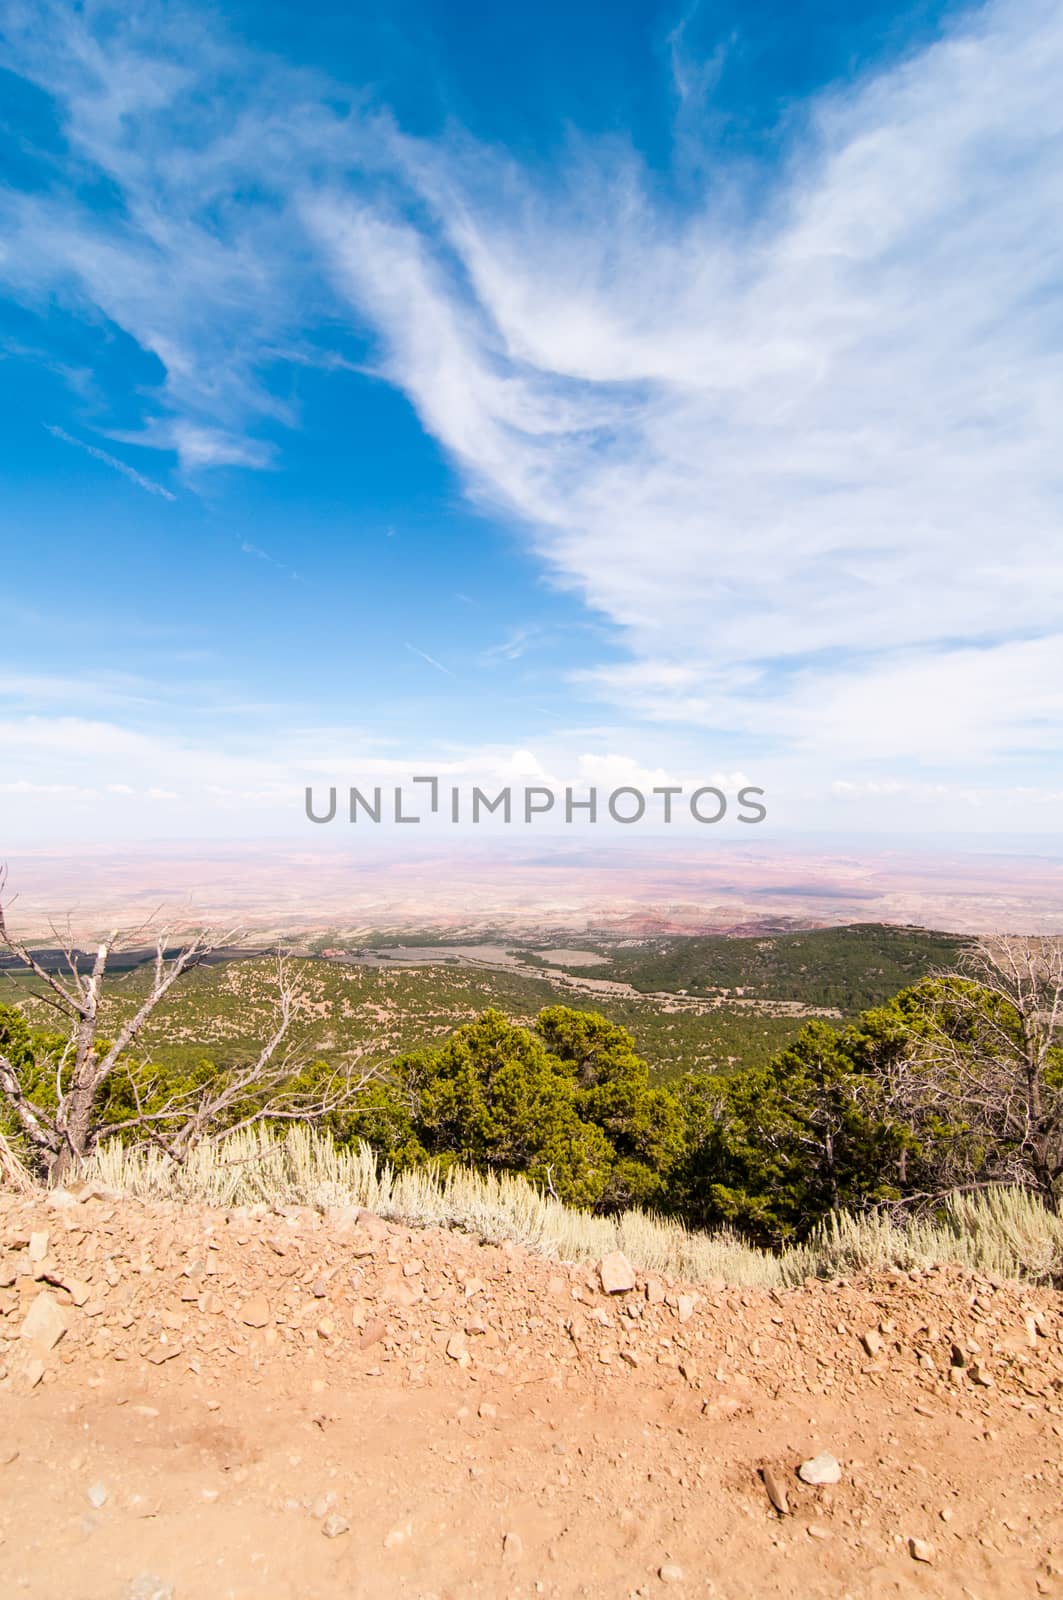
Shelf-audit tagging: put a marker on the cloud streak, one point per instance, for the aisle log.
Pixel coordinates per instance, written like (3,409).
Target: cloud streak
(432,662)
(148,484)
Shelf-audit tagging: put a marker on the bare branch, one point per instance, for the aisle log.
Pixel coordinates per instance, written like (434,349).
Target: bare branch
(72,1004)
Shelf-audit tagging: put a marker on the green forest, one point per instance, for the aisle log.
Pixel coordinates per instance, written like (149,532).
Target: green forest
(850,968)
(762,1123)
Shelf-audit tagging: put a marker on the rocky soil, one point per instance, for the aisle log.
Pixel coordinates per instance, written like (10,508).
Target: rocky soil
(209,1405)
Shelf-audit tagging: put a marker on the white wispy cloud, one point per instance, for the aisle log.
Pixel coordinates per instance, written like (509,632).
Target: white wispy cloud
(797,443)
(518,642)
(804,456)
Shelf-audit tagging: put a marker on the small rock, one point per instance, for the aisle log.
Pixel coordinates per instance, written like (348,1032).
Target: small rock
(456,1347)
(96,1494)
(38,1247)
(84,1192)
(44,1322)
(254,1313)
(33,1373)
(397,1537)
(822,1469)
(671,1572)
(334,1525)
(160,1353)
(978,1374)
(372,1333)
(654,1291)
(872,1342)
(616,1274)
(149,1587)
(487,1411)
(512,1547)
(373,1225)
(920,1550)
(684,1307)
(776,1491)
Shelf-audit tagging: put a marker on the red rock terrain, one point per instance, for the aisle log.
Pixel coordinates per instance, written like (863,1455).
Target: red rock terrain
(209,1405)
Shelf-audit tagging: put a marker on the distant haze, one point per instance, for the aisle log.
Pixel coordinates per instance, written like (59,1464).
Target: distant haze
(503,888)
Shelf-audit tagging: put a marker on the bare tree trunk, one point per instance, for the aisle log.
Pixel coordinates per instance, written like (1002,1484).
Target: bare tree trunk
(77,1132)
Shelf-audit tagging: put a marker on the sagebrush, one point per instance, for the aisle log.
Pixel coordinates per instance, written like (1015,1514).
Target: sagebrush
(1006,1232)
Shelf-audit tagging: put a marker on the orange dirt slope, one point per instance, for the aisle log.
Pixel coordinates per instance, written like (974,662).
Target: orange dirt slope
(210,1405)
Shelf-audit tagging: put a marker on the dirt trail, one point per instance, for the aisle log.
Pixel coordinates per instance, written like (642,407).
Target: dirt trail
(212,1405)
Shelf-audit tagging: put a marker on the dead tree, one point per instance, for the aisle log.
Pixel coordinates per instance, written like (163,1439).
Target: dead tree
(61,1135)
(272,1088)
(987,1069)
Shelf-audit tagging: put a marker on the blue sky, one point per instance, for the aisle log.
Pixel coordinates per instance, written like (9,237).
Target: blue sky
(595,393)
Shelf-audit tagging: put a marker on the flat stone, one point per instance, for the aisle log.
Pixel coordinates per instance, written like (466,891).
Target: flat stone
(161,1353)
(920,1550)
(44,1322)
(372,1333)
(254,1313)
(373,1225)
(776,1490)
(334,1525)
(671,1572)
(616,1274)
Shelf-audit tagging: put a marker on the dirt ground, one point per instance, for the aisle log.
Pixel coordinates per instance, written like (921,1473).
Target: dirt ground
(209,1405)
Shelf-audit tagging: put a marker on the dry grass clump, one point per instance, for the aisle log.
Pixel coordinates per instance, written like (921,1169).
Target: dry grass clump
(1002,1231)
(13,1175)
